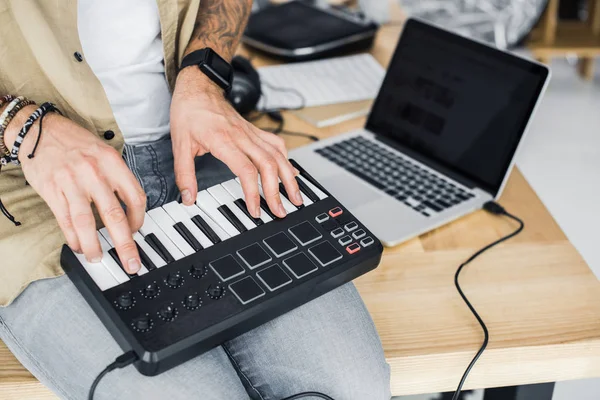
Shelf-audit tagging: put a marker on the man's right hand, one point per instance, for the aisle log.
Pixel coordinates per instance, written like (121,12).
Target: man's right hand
(73,168)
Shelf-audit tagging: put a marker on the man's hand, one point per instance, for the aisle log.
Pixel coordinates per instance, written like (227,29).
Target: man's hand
(71,169)
(202,121)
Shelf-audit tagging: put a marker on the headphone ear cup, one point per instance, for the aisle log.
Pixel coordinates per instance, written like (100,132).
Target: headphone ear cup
(246,88)
(244,65)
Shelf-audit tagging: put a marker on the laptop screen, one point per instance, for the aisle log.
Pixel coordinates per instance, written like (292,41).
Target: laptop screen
(456,102)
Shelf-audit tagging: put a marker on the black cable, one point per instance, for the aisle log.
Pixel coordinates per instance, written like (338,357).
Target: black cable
(285,90)
(494,208)
(121,362)
(130,357)
(276,116)
(266,111)
(8,215)
(300,134)
(307,394)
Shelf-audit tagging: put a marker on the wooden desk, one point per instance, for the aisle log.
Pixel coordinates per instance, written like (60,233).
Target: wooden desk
(538,297)
(536,294)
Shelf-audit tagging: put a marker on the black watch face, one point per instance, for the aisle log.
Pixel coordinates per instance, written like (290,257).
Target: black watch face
(219,66)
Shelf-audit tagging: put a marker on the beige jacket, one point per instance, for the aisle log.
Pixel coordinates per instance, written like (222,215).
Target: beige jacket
(38,40)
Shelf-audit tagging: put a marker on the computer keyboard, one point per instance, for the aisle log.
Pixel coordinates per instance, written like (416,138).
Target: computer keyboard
(409,183)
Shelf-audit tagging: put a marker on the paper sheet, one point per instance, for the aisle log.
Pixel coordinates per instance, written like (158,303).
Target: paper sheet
(322,82)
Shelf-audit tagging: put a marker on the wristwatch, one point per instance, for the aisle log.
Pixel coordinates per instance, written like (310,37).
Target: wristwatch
(212,65)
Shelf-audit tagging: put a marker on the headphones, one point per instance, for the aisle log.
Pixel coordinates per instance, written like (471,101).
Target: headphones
(246,87)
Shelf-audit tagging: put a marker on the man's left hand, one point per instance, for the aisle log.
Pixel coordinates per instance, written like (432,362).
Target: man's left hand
(202,121)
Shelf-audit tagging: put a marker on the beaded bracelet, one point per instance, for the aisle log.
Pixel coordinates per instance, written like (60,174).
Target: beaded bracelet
(37,114)
(5,119)
(7,115)
(5,99)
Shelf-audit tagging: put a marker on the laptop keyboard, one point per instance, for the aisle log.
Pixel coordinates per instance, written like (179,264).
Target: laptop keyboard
(414,186)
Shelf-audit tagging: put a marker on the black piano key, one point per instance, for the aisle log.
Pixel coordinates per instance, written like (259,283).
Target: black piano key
(241,204)
(284,193)
(158,247)
(227,213)
(307,191)
(265,207)
(206,229)
(115,256)
(188,236)
(145,259)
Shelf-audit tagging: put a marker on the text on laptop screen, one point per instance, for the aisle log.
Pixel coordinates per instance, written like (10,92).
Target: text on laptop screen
(457,102)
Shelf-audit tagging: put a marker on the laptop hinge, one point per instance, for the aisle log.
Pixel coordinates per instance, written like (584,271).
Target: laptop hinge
(442,169)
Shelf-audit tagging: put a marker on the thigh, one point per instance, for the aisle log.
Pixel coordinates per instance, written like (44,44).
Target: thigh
(153,166)
(328,345)
(56,336)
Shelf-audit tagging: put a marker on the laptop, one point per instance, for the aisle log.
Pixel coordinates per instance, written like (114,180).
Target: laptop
(441,138)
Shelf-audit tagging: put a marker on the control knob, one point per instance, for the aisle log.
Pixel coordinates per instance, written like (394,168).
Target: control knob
(125,300)
(142,323)
(192,301)
(151,290)
(198,270)
(215,291)
(174,279)
(168,312)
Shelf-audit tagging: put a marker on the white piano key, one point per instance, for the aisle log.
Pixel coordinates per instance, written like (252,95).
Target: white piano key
(110,264)
(98,272)
(320,194)
(178,214)
(104,232)
(305,200)
(152,255)
(224,198)
(165,222)
(209,205)
(195,210)
(150,226)
(289,207)
(143,270)
(235,190)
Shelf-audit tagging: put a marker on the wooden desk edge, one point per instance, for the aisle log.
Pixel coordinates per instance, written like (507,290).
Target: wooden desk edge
(496,368)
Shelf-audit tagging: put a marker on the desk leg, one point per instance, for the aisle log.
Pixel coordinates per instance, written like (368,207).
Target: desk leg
(542,391)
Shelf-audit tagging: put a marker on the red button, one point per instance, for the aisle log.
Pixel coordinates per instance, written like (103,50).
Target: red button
(334,212)
(353,248)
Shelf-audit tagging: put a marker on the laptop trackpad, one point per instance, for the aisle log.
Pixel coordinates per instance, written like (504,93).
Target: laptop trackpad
(345,189)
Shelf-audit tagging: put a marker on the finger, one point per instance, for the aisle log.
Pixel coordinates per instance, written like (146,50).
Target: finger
(269,176)
(129,190)
(60,208)
(83,220)
(242,167)
(286,173)
(114,218)
(185,173)
(274,140)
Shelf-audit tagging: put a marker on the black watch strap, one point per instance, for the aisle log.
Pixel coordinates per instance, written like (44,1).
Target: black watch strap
(212,65)
(194,58)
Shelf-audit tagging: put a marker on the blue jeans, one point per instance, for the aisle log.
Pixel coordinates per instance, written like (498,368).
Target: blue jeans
(328,345)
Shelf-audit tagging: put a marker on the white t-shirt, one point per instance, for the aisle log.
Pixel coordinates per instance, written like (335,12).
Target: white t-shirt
(121,41)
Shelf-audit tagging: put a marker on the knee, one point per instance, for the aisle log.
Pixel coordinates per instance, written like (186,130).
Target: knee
(362,380)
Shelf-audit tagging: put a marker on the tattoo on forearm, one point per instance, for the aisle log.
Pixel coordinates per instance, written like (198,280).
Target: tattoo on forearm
(220,24)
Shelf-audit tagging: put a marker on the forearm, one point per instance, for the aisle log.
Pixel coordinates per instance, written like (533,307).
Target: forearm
(219,25)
